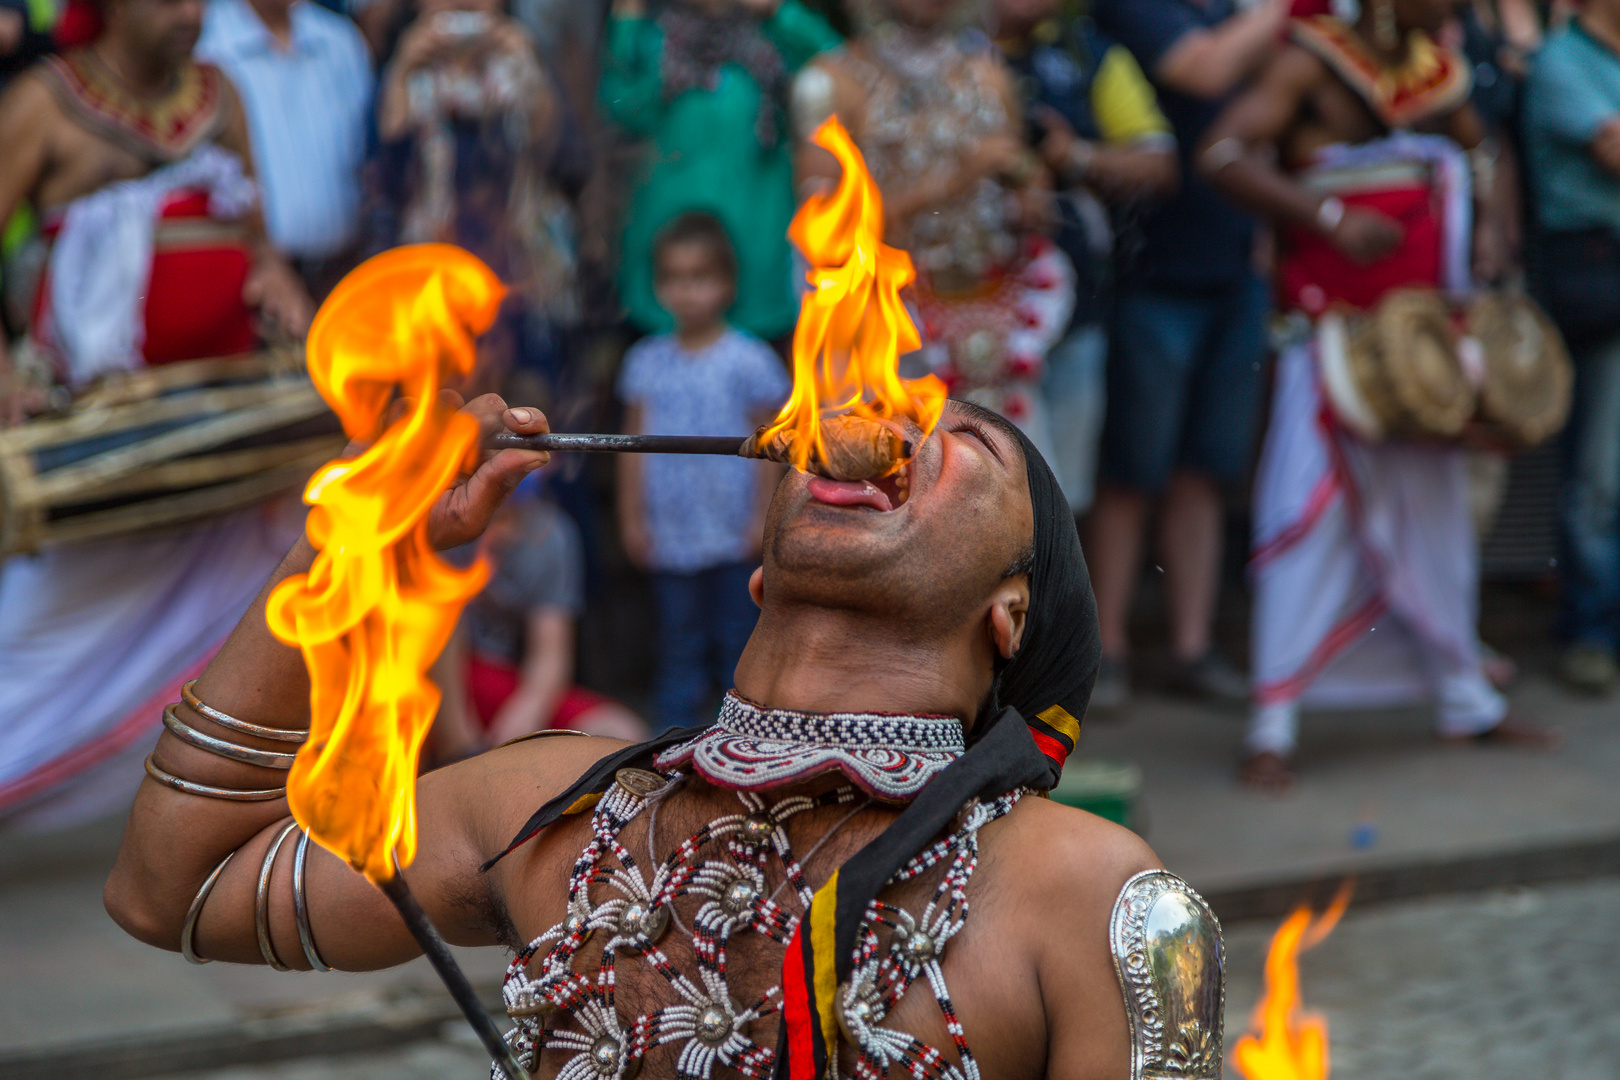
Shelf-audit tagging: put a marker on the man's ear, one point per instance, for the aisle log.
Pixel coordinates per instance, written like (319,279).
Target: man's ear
(756,586)
(1009,608)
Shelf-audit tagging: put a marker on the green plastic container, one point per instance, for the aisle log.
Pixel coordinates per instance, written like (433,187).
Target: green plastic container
(1105,788)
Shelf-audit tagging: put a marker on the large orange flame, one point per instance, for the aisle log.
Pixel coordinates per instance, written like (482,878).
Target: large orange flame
(1292,1045)
(378,605)
(853,326)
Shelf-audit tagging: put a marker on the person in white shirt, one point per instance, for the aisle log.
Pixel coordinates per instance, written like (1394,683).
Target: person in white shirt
(306,82)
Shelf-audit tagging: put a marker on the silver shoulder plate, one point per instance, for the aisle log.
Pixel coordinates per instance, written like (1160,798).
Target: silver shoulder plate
(1168,953)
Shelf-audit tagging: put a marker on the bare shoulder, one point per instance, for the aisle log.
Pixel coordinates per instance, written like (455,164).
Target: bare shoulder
(1129,958)
(28,98)
(1080,856)
(30,119)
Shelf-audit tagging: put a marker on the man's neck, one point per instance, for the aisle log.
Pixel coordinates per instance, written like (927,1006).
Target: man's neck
(821,660)
(277,18)
(1603,24)
(142,76)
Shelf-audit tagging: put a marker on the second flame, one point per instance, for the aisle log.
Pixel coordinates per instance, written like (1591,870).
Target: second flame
(1292,1044)
(378,605)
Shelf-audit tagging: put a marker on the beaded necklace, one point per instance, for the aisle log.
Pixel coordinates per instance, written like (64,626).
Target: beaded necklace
(750,748)
(713,887)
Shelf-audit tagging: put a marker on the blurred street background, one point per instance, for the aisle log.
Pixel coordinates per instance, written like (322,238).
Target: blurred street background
(1333,393)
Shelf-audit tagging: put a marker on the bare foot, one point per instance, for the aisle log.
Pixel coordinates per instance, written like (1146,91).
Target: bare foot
(1267,771)
(1513,731)
(1500,670)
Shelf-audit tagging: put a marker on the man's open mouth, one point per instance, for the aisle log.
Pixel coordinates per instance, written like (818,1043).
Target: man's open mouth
(883,494)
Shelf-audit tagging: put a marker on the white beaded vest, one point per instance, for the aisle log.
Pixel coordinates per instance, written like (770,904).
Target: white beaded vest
(713,888)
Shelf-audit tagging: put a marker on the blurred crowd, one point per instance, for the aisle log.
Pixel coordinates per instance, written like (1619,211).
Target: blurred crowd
(1119,211)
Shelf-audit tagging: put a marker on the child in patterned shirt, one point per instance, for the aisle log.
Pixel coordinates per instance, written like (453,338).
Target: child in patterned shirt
(695,523)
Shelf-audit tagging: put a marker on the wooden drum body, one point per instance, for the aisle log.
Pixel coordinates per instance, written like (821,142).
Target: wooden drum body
(163,446)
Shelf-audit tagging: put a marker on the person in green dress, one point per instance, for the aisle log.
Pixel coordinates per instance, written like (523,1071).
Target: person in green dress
(706,81)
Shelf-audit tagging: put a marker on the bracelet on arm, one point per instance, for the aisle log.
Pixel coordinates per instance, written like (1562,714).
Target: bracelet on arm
(247,755)
(1329,214)
(261,900)
(226,720)
(306,936)
(187,787)
(189,929)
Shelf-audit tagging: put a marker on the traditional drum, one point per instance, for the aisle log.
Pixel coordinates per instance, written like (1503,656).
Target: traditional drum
(1396,372)
(161,446)
(1527,376)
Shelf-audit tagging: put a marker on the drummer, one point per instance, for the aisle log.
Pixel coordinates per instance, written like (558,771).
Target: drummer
(136,159)
(1353,536)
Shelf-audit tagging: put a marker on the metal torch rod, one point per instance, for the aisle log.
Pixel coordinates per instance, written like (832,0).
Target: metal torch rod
(725,445)
(620,444)
(455,980)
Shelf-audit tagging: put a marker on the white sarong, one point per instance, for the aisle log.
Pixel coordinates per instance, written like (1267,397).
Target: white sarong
(95,638)
(1365,572)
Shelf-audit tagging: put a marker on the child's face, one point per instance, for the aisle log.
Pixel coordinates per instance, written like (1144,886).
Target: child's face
(693,286)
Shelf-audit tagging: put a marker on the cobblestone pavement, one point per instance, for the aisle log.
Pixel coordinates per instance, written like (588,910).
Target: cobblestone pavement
(1509,985)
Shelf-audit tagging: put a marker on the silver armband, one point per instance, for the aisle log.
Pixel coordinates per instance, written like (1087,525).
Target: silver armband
(1168,954)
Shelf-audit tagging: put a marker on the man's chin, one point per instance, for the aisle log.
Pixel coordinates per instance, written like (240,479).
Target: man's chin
(845,541)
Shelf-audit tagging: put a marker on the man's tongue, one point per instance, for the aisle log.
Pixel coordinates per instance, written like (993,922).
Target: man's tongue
(849,493)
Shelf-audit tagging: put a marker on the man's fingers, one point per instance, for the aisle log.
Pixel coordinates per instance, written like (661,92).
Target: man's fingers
(527,421)
(487,410)
(497,478)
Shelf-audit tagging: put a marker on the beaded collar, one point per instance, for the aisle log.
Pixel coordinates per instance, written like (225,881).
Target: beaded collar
(751,748)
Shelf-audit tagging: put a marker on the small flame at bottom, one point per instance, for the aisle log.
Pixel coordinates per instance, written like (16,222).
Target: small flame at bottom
(1292,1045)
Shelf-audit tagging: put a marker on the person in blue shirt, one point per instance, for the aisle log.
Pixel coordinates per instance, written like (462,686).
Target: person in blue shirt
(695,523)
(1189,343)
(1572,139)
(1093,117)
(306,83)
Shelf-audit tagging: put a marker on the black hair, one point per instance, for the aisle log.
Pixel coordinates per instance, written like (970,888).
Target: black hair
(1057,662)
(697,227)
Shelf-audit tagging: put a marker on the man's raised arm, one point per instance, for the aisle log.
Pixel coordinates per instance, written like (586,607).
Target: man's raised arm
(177,837)
(1239,157)
(1212,63)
